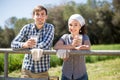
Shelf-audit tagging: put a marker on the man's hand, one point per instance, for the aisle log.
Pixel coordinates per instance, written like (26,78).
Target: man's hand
(30,43)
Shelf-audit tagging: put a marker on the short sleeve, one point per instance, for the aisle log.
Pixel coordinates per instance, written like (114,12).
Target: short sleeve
(64,38)
(85,37)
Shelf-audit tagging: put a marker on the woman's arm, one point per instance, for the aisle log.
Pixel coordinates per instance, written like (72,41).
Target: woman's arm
(85,46)
(61,45)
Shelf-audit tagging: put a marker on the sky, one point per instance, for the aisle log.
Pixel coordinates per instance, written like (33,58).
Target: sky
(23,8)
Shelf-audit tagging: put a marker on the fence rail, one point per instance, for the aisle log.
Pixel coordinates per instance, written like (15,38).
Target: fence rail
(7,51)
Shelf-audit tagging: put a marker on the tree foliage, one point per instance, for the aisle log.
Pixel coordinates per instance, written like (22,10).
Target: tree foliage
(102,21)
(20,23)
(6,36)
(10,22)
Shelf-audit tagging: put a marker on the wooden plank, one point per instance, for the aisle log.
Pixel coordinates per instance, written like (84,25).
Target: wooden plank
(53,78)
(73,52)
(2,78)
(11,78)
(6,64)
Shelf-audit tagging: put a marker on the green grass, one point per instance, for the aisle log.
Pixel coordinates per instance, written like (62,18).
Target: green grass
(106,47)
(102,70)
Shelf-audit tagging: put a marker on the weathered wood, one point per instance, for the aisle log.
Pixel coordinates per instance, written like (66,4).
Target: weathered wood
(53,52)
(6,65)
(96,52)
(10,78)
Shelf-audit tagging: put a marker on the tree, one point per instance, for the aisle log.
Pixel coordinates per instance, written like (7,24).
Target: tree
(1,38)
(116,19)
(69,9)
(6,36)
(116,5)
(10,22)
(55,17)
(20,23)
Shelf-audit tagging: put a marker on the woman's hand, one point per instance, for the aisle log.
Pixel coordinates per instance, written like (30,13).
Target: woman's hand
(63,54)
(77,40)
(83,47)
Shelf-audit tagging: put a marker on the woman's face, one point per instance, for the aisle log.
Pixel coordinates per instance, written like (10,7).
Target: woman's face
(74,27)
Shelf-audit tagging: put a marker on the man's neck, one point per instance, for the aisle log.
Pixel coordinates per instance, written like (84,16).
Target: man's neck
(39,26)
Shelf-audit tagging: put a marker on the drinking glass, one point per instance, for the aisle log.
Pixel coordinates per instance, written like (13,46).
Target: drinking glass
(79,38)
(35,37)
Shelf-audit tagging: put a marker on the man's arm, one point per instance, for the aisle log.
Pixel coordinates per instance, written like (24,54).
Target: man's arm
(18,41)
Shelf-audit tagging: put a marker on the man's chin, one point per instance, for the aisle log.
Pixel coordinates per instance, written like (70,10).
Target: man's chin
(40,24)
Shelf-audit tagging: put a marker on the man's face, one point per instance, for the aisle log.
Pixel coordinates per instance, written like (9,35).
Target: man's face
(40,17)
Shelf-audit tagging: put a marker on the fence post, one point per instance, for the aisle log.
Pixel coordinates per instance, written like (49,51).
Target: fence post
(6,65)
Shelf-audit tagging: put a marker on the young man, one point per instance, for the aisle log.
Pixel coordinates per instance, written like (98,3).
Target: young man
(44,33)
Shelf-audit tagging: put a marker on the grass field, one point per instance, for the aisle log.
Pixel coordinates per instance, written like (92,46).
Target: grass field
(106,47)
(102,70)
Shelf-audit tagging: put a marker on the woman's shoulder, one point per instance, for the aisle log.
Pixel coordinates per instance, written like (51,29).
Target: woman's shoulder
(66,35)
(85,37)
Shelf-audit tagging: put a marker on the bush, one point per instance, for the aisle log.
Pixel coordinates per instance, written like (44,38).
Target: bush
(1,63)
(92,59)
(15,61)
(55,61)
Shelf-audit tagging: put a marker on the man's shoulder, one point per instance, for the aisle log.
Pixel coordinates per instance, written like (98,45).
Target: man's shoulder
(28,26)
(49,25)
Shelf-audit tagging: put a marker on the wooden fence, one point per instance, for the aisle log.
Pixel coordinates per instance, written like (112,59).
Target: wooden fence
(7,51)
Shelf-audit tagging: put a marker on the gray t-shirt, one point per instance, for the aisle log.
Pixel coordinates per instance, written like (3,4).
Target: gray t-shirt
(75,65)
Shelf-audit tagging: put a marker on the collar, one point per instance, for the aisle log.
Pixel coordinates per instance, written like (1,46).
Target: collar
(35,27)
